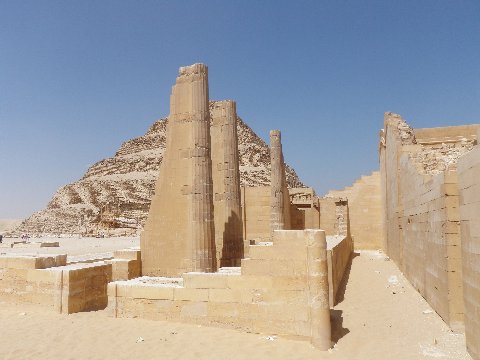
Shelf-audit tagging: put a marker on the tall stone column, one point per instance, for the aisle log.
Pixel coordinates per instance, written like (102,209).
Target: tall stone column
(226,183)
(317,279)
(179,232)
(279,203)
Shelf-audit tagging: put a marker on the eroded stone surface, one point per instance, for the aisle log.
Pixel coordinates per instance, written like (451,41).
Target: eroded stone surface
(179,233)
(226,183)
(279,198)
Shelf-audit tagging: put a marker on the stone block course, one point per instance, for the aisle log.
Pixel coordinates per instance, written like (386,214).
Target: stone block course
(425,205)
(67,289)
(204,281)
(469,187)
(128,254)
(275,301)
(274,267)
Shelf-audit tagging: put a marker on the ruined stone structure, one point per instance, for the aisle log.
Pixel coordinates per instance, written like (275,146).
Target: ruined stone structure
(281,289)
(51,281)
(429,218)
(198,232)
(469,202)
(279,199)
(304,209)
(364,211)
(226,183)
(307,211)
(179,233)
(283,284)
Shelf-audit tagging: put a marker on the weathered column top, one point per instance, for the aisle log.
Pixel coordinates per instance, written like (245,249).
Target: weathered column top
(195,69)
(223,108)
(275,136)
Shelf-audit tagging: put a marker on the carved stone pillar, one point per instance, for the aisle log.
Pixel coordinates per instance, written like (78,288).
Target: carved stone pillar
(226,183)
(179,232)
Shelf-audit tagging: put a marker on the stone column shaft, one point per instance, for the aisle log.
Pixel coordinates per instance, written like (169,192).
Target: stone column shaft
(179,233)
(318,289)
(226,183)
(280,205)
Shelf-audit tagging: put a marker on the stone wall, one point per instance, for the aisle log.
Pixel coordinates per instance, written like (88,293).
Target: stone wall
(126,264)
(48,281)
(281,289)
(339,253)
(298,218)
(255,214)
(421,205)
(334,217)
(365,211)
(469,194)
(304,209)
(256,208)
(431,240)
(329,214)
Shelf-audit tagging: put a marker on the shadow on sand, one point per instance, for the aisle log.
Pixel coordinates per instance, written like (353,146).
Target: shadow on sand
(343,285)
(336,320)
(336,316)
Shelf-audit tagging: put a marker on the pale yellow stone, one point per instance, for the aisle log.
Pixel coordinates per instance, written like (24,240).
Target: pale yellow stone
(179,233)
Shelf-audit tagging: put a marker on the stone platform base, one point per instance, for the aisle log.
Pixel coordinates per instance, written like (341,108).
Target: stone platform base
(281,289)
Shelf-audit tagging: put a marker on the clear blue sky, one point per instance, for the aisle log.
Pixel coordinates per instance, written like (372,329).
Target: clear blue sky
(77,78)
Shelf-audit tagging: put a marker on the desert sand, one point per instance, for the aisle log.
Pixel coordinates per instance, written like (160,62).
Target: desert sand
(379,316)
(8,224)
(72,246)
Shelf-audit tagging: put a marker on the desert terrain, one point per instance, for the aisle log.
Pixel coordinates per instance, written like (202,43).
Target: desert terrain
(8,224)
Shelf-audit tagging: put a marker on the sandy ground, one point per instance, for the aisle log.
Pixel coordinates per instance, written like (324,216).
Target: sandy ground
(71,246)
(8,224)
(380,316)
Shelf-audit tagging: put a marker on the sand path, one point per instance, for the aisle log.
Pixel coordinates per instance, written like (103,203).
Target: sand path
(376,319)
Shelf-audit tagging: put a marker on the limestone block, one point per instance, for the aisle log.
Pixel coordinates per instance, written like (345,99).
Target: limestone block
(250,282)
(112,289)
(41,276)
(83,287)
(290,282)
(193,309)
(27,262)
(184,294)
(61,260)
(205,281)
(18,262)
(230,295)
(289,238)
(285,297)
(128,254)
(123,269)
(273,267)
(146,292)
(49,244)
(277,252)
